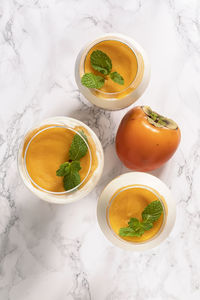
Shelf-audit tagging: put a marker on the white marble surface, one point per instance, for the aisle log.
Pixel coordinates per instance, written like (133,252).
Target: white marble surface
(50,252)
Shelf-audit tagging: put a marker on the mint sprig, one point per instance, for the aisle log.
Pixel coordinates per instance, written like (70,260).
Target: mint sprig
(70,170)
(150,214)
(102,63)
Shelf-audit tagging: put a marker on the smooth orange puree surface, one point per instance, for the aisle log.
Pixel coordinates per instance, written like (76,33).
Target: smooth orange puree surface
(47,151)
(123,61)
(128,204)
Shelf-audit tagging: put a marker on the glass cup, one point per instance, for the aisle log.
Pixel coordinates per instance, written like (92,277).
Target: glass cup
(92,175)
(136,180)
(125,97)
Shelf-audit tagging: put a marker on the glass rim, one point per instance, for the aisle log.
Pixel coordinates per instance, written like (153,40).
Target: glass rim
(25,154)
(142,187)
(123,42)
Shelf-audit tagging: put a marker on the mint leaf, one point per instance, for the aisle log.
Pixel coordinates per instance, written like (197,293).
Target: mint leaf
(92,81)
(64,169)
(116,77)
(152,212)
(71,180)
(101,62)
(78,147)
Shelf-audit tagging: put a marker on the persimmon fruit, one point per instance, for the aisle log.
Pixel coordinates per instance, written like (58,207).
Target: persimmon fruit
(145,140)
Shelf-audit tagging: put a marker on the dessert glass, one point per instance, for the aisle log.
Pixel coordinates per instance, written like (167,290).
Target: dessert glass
(123,98)
(89,181)
(145,181)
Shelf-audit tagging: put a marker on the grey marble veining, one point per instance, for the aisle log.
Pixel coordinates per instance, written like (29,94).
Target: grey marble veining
(50,252)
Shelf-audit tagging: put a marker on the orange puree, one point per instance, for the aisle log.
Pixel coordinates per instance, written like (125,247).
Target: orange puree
(48,150)
(130,203)
(124,62)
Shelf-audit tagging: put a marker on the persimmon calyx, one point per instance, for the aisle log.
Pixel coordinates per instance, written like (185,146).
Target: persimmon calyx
(158,120)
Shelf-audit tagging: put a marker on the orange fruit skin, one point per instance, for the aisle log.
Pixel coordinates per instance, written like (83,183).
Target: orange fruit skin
(142,146)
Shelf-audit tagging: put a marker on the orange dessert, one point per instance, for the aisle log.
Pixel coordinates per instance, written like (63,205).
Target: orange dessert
(129,203)
(124,62)
(48,150)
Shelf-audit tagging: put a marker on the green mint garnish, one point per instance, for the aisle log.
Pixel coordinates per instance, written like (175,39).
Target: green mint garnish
(116,77)
(150,214)
(70,170)
(92,81)
(102,63)
(78,147)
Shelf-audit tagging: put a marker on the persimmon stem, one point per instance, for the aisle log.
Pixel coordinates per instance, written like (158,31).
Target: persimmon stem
(158,120)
